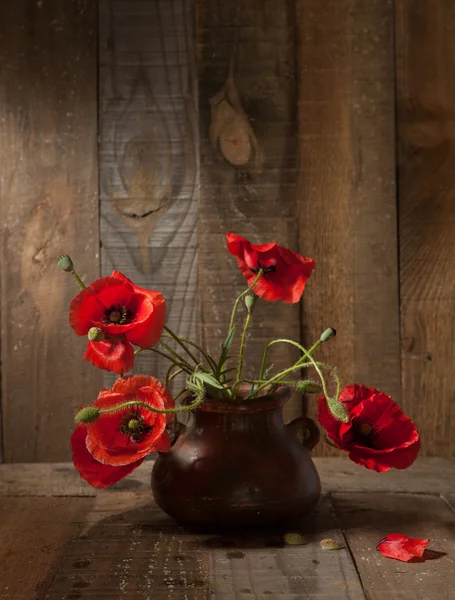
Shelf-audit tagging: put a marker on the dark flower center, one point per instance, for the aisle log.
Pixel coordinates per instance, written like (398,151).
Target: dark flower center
(269,269)
(366,434)
(135,427)
(116,315)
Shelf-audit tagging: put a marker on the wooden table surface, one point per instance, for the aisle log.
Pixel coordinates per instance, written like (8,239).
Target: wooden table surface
(62,540)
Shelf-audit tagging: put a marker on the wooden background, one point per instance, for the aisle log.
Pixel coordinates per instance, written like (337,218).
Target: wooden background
(135,133)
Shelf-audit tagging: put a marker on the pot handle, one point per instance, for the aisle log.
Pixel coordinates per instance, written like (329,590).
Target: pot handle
(309,429)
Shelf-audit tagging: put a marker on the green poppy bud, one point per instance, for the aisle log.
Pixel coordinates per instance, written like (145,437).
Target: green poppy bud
(328,334)
(65,263)
(95,334)
(250,301)
(88,414)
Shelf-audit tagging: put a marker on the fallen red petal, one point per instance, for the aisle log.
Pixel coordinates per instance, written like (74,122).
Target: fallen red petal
(401,547)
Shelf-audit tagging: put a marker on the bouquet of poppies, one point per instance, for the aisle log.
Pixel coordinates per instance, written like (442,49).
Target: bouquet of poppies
(124,424)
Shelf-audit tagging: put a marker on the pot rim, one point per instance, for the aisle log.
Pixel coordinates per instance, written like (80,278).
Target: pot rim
(270,401)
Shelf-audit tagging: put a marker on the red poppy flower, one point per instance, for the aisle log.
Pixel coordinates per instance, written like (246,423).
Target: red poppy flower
(402,547)
(109,448)
(125,313)
(378,436)
(285,272)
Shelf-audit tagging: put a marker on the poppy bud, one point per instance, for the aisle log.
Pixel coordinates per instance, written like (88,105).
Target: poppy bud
(328,334)
(65,263)
(88,414)
(250,301)
(95,334)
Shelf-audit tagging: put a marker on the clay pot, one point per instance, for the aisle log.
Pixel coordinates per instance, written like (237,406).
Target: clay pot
(238,464)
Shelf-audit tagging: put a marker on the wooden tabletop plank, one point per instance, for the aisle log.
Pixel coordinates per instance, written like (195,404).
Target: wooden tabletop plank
(33,533)
(128,548)
(368,517)
(427,475)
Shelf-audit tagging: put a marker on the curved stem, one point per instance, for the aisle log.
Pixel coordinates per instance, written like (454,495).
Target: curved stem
(152,408)
(299,364)
(169,358)
(169,376)
(205,354)
(242,295)
(179,341)
(313,348)
(241,352)
(175,354)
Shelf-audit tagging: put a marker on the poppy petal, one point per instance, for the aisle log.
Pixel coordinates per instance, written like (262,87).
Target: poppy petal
(148,332)
(402,547)
(116,356)
(95,473)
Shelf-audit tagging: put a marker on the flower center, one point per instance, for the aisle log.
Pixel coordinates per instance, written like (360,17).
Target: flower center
(116,315)
(365,429)
(269,269)
(135,427)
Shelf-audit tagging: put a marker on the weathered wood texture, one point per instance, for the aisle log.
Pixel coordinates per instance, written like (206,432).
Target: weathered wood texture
(148,154)
(426,176)
(128,548)
(48,206)
(347,201)
(33,534)
(427,475)
(248,151)
(367,518)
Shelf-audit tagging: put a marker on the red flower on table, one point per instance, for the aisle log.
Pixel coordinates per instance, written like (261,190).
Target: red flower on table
(111,447)
(401,547)
(378,436)
(125,313)
(285,272)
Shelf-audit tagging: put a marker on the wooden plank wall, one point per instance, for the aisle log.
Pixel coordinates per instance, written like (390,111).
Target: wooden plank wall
(49,205)
(277,121)
(148,154)
(248,148)
(426,178)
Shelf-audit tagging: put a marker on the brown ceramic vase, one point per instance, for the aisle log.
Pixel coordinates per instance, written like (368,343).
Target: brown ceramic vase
(238,464)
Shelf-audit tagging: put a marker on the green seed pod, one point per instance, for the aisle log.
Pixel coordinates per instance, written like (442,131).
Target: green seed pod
(95,334)
(65,263)
(88,414)
(331,545)
(294,539)
(328,334)
(310,387)
(250,301)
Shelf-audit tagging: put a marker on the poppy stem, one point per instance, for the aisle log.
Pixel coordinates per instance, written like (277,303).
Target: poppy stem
(79,281)
(179,341)
(195,404)
(241,353)
(169,376)
(242,295)
(176,355)
(205,354)
(185,368)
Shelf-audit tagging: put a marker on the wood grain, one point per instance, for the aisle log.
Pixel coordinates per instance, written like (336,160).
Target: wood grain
(347,192)
(48,206)
(33,534)
(148,155)
(427,475)
(367,518)
(426,168)
(248,152)
(128,548)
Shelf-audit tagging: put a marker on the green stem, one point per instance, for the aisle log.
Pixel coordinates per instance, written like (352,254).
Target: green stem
(241,352)
(79,281)
(169,376)
(176,355)
(179,341)
(207,356)
(152,408)
(313,348)
(299,364)
(169,358)
(242,295)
